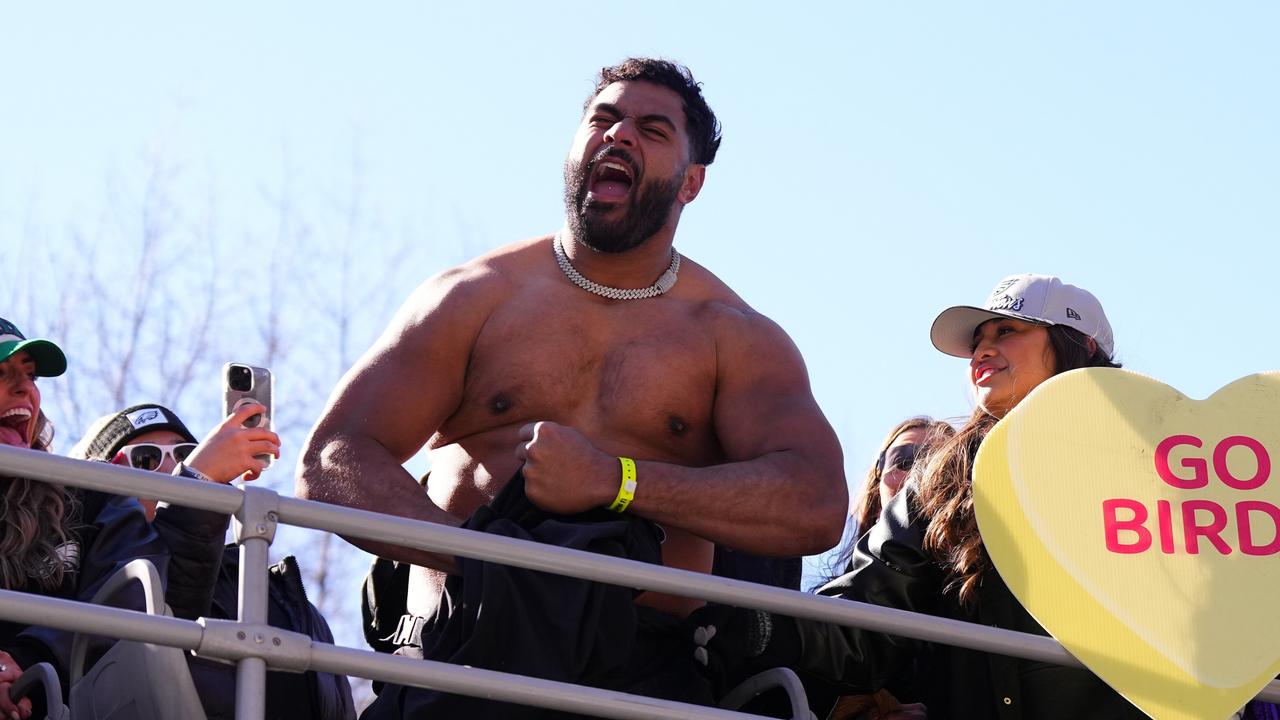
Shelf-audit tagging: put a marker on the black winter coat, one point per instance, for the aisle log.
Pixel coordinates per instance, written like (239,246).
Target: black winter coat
(543,625)
(204,582)
(891,568)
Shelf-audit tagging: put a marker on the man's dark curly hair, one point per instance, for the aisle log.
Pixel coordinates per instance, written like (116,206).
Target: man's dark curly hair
(703,127)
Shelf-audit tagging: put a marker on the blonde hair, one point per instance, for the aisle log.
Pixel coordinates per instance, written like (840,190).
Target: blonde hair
(35,521)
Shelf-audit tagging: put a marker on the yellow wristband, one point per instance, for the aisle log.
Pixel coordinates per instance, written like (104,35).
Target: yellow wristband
(627,490)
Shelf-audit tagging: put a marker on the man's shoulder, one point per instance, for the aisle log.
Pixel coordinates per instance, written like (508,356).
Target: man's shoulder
(484,280)
(502,265)
(744,336)
(515,255)
(723,309)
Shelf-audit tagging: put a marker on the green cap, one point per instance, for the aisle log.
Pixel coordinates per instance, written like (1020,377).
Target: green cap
(50,362)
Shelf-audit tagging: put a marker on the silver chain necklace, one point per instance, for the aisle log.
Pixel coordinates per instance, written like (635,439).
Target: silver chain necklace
(663,284)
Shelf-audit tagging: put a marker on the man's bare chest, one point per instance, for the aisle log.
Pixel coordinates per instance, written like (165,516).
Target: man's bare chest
(643,378)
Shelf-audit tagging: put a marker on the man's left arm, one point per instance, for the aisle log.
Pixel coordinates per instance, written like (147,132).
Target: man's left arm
(781,490)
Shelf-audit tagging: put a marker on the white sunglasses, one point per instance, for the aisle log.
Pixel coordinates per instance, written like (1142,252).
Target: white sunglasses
(149,456)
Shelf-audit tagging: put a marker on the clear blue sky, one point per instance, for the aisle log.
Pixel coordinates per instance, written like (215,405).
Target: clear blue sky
(880,161)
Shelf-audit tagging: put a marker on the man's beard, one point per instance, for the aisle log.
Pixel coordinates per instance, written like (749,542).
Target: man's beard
(650,205)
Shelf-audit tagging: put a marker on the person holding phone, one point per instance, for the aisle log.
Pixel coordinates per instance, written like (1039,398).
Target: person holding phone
(55,541)
(203,571)
(151,437)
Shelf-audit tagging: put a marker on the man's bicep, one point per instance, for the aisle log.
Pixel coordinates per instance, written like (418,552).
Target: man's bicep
(389,400)
(764,403)
(411,380)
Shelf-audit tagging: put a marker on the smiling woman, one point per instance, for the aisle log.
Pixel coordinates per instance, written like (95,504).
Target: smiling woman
(34,513)
(924,554)
(54,541)
(21,360)
(34,517)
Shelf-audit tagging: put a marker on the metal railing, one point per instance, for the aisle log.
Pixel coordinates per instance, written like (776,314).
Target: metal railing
(255,646)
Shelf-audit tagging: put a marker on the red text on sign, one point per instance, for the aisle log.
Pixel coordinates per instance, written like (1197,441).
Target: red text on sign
(1198,523)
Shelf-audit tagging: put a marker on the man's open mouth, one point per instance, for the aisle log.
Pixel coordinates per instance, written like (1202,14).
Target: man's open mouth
(610,180)
(15,427)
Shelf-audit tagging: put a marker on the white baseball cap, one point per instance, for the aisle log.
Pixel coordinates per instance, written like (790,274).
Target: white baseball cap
(1039,299)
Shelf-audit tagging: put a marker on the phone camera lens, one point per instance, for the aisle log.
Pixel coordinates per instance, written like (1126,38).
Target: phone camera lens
(240,378)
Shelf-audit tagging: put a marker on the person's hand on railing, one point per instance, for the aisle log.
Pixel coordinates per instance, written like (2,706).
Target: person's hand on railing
(10,671)
(228,452)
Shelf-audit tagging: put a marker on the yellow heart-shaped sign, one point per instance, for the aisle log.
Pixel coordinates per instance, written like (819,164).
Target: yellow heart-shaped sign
(1141,528)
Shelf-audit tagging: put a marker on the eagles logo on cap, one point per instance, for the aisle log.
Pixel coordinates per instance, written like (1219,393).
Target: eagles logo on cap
(143,418)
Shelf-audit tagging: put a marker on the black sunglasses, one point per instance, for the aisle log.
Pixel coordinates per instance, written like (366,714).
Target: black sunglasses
(902,457)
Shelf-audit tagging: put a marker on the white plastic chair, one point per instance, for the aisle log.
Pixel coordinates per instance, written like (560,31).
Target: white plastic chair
(42,677)
(778,677)
(133,680)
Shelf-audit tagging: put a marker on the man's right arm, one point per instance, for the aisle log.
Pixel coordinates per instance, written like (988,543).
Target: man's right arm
(390,403)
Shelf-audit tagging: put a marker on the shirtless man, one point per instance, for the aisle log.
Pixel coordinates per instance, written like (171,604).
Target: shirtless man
(514,360)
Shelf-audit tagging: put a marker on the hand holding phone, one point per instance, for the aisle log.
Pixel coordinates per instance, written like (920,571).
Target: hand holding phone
(247,384)
(233,452)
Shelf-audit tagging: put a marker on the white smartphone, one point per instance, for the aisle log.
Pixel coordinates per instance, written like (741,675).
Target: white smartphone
(243,384)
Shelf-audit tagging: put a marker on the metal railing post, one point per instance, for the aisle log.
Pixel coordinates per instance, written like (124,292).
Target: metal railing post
(255,528)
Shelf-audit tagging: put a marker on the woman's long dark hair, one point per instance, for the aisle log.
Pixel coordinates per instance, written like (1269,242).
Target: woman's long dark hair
(35,521)
(945,491)
(866,507)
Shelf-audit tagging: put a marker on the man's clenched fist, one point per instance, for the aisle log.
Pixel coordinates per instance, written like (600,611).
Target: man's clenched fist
(563,472)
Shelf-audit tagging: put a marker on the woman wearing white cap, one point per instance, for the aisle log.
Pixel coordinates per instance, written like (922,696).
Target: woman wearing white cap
(925,553)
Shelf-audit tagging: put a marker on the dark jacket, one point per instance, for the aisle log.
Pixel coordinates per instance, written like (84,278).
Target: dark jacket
(388,625)
(891,568)
(311,695)
(195,539)
(204,582)
(110,532)
(538,624)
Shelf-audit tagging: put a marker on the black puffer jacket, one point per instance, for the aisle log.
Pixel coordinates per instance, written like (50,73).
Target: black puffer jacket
(290,696)
(195,539)
(891,568)
(204,582)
